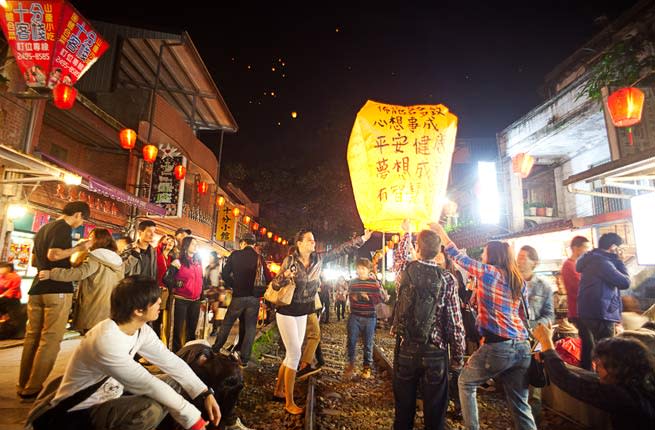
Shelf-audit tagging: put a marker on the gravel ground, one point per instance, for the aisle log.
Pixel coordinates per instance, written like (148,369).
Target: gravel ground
(353,405)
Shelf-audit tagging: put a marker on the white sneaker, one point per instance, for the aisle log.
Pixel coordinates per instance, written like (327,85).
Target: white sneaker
(238,425)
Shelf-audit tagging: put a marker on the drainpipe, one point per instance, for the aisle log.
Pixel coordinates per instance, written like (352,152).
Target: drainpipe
(218,185)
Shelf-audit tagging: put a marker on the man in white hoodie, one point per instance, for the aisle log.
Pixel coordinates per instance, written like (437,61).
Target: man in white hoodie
(105,388)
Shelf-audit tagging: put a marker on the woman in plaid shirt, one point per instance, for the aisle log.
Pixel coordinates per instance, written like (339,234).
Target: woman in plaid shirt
(505,351)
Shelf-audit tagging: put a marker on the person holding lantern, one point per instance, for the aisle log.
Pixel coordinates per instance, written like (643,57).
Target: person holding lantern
(505,351)
(303,266)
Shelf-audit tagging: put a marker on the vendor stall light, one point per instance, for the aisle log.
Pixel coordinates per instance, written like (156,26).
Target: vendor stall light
(203,187)
(16,211)
(625,107)
(246,219)
(488,198)
(269,234)
(180,172)
(71,179)
(63,96)
(150,153)
(127,136)
(522,164)
(220,200)
(236,212)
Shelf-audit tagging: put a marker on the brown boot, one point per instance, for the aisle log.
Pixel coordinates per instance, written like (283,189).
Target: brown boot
(348,372)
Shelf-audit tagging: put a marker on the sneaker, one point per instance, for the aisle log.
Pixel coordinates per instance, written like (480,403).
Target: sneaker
(306,372)
(238,425)
(348,373)
(366,373)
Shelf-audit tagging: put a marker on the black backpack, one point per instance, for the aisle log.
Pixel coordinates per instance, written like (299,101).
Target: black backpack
(417,303)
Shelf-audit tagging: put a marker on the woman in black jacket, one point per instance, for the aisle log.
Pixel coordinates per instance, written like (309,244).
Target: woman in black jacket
(624,385)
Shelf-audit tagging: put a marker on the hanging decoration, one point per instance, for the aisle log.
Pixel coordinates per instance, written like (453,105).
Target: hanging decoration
(399,159)
(150,153)
(220,200)
(179,171)
(522,164)
(203,187)
(127,137)
(262,230)
(246,220)
(625,107)
(255,226)
(63,96)
(269,234)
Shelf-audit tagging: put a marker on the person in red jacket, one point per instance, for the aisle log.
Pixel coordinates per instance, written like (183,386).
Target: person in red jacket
(9,300)
(571,278)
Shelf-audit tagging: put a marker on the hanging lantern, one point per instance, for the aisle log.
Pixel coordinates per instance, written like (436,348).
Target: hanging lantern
(127,136)
(180,172)
(278,240)
(220,200)
(275,238)
(236,212)
(400,174)
(255,226)
(625,107)
(522,164)
(269,234)
(246,219)
(63,96)
(284,242)
(450,209)
(263,231)
(203,187)
(150,153)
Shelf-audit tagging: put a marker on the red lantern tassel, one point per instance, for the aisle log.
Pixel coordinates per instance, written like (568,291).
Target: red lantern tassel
(630,141)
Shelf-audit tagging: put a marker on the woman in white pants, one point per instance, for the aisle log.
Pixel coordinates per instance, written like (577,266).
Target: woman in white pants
(304,265)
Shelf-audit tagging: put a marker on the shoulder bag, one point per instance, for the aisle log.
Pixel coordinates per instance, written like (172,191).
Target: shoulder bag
(537,376)
(281,297)
(260,278)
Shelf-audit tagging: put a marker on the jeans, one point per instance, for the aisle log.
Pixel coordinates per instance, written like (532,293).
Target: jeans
(341,309)
(425,367)
(507,361)
(365,326)
(590,332)
(185,315)
(246,309)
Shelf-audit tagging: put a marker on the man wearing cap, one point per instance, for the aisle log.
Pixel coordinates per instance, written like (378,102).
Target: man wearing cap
(239,275)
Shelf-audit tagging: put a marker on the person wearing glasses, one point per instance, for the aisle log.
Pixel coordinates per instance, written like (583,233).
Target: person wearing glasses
(50,301)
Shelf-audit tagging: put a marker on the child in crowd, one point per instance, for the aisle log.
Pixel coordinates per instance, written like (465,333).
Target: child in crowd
(364,293)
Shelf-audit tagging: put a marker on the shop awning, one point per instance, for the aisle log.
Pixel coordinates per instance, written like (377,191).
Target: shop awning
(627,175)
(101,187)
(21,168)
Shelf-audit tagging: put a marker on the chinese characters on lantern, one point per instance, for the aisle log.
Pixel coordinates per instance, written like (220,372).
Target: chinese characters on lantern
(399,158)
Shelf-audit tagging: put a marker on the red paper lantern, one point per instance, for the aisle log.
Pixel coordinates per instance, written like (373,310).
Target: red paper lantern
(246,219)
(625,106)
(269,234)
(202,187)
(522,164)
(236,211)
(220,200)
(255,226)
(127,137)
(64,96)
(278,240)
(180,172)
(263,230)
(150,153)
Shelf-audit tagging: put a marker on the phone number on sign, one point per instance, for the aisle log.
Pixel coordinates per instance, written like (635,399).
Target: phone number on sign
(30,56)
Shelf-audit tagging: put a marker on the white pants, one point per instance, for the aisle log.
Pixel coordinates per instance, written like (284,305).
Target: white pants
(292,331)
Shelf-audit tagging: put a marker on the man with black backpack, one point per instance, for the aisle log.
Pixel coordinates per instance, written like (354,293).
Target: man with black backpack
(427,322)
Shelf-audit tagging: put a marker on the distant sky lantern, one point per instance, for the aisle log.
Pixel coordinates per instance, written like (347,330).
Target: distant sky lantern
(203,187)
(150,153)
(246,219)
(522,164)
(294,114)
(179,171)
(625,107)
(220,200)
(63,96)
(399,159)
(127,138)
(269,234)
(236,211)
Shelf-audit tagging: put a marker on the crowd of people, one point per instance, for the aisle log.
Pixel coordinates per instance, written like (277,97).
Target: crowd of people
(460,324)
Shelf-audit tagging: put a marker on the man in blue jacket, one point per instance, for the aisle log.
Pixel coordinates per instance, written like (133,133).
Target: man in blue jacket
(599,300)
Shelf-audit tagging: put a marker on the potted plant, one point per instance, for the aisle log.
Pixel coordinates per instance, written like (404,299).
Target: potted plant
(549,211)
(533,209)
(541,209)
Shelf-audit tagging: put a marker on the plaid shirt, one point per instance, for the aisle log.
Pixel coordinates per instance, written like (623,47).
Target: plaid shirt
(403,254)
(448,311)
(498,312)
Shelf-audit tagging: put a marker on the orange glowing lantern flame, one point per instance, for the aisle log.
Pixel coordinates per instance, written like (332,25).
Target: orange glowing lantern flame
(236,211)
(269,234)
(246,219)
(203,187)
(127,136)
(625,107)
(263,230)
(220,200)
(180,172)
(255,226)
(63,96)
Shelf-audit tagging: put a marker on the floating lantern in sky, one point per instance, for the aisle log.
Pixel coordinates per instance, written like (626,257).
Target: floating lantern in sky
(294,114)
(399,159)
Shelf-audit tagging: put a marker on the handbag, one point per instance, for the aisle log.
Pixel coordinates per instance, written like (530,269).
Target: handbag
(260,278)
(169,278)
(281,297)
(537,376)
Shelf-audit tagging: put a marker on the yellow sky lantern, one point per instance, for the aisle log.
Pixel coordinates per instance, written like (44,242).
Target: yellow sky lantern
(399,159)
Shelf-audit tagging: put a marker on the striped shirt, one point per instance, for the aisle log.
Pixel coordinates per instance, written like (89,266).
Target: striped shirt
(498,312)
(364,295)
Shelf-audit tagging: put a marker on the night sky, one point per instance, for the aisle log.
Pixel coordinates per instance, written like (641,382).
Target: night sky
(484,60)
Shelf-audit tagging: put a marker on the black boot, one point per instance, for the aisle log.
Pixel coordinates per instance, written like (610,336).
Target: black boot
(215,325)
